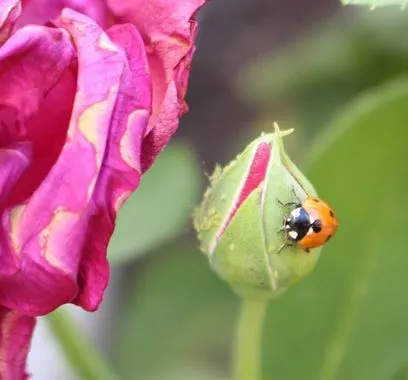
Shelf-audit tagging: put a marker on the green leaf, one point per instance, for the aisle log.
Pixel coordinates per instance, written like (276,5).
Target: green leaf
(347,321)
(168,326)
(161,207)
(320,73)
(187,373)
(401,374)
(79,352)
(375,3)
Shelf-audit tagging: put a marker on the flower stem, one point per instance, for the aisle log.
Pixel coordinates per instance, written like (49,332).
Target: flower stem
(247,361)
(84,359)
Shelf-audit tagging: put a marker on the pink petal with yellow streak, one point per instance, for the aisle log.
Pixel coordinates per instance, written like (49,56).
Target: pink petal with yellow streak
(15,337)
(121,170)
(37,89)
(168,28)
(36,81)
(60,234)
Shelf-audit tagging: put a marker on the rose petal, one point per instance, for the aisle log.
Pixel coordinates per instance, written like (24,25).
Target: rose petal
(59,236)
(15,337)
(43,11)
(35,65)
(168,28)
(97,10)
(256,173)
(34,61)
(9,12)
(120,108)
(13,162)
(254,177)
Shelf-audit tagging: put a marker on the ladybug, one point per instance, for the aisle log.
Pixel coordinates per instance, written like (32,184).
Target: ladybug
(310,224)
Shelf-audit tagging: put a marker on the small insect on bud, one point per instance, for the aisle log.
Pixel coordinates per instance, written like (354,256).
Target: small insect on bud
(261,223)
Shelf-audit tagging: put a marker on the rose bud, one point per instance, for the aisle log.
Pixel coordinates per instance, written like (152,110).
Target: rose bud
(240,223)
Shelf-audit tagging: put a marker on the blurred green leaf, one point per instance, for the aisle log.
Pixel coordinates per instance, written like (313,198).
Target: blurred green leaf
(312,78)
(83,357)
(348,320)
(168,326)
(375,3)
(161,207)
(401,374)
(189,374)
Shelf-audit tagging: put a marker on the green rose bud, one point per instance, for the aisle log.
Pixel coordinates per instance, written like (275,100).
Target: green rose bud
(239,221)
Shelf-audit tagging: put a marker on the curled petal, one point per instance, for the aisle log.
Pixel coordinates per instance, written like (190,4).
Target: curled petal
(15,337)
(59,235)
(38,59)
(13,162)
(9,12)
(43,11)
(95,9)
(112,115)
(169,29)
(33,127)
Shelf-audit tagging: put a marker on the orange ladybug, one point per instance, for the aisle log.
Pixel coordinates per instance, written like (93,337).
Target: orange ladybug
(310,224)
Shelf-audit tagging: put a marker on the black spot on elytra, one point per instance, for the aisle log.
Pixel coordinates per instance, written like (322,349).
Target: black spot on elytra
(316,200)
(331,213)
(317,226)
(328,238)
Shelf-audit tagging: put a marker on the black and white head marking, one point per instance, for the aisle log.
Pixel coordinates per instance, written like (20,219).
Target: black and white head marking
(297,224)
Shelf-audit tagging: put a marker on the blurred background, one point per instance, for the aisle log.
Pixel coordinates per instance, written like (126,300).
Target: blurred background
(303,64)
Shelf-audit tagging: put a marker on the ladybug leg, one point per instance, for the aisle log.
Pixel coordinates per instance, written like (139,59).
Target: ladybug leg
(298,203)
(279,250)
(284,226)
(287,203)
(292,203)
(286,244)
(294,193)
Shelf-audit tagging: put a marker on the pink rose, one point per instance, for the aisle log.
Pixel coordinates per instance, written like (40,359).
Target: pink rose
(89,96)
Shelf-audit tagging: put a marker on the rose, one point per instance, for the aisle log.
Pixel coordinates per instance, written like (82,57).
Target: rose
(88,98)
